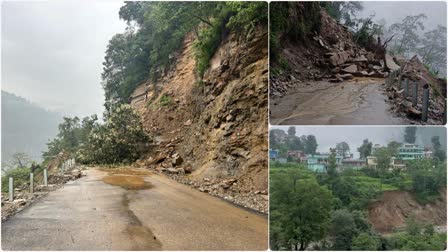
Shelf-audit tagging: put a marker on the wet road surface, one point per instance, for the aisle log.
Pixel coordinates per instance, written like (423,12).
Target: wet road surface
(88,214)
(351,102)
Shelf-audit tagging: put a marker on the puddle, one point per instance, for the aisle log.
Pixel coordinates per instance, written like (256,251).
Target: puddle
(128,182)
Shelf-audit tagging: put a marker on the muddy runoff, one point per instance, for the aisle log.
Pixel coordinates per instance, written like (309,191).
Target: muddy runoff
(358,101)
(132,180)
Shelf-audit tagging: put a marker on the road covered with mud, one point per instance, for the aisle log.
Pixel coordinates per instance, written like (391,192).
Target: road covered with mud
(133,210)
(357,101)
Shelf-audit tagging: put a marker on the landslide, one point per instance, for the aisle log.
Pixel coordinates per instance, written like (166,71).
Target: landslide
(394,207)
(212,133)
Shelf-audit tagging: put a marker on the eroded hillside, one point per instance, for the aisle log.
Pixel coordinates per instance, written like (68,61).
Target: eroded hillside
(212,133)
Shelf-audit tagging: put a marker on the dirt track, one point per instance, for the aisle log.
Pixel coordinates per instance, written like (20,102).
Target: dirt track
(357,101)
(88,214)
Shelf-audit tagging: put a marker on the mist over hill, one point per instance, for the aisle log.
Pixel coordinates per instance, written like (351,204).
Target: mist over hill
(26,127)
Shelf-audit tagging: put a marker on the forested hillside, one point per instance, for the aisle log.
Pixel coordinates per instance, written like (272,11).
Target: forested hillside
(26,127)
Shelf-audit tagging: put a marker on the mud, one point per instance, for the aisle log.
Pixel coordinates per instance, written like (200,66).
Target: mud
(358,101)
(127,171)
(127,182)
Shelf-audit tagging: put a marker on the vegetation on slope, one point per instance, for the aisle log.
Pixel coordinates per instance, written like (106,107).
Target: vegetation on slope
(155,34)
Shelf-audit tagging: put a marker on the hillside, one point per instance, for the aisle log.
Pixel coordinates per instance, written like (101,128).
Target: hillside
(217,129)
(394,207)
(26,127)
(323,72)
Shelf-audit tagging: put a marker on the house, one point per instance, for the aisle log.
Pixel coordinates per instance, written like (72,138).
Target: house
(273,154)
(298,156)
(318,162)
(410,152)
(395,163)
(353,163)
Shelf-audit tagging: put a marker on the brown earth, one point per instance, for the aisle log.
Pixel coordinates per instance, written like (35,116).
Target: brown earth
(127,182)
(211,130)
(394,207)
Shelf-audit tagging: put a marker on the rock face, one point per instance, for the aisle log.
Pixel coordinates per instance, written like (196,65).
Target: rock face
(215,128)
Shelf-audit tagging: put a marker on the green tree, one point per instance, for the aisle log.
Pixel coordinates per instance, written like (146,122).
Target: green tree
(342,229)
(300,209)
(310,145)
(439,153)
(291,131)
(342,149)
(406,34)
(365,149)
(332,164)
(433,48)
(365,241)
(409,136)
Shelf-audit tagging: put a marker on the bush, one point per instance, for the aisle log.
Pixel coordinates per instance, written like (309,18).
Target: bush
(21,177)
(120,140)
(165,100)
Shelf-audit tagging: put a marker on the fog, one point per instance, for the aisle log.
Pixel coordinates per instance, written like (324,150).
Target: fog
(396,11)
(328,136)
(52,52)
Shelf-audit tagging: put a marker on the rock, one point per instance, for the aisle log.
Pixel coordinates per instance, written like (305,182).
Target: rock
(390,63)
(172,170)
(76,173)
(337,59)
(350,69)
(346,76)
(202,189)
(180,171)
(176,160)
(187,123)
(361,58)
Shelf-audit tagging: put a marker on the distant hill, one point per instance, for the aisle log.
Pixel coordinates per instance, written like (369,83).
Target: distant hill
(26,127)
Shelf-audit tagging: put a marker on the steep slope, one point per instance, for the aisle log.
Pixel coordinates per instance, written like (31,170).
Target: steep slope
(214,130)
(26,127)
(394,207)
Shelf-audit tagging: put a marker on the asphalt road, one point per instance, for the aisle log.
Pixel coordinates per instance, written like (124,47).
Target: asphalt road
(347,103)
(88,214)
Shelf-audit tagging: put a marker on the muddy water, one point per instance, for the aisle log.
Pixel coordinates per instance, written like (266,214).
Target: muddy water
(358,101)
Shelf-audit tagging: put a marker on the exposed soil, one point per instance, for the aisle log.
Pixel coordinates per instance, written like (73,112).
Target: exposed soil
(394,207)
(214,129)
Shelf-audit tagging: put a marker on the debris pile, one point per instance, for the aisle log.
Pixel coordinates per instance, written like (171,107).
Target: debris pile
(400,91)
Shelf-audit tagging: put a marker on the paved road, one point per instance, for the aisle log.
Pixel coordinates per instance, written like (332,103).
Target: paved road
(88,214)
(350,102)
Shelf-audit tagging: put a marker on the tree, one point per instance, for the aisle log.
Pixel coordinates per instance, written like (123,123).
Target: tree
(365,241)
(18,160)
(383,158)
(342,149)
(409,136)
(291,131)
(433,48)
(365,149)
(300,209)
(332,165)
(439,153)
(120,140)
(342,229)
(310,145)
(406,33)
(392,147)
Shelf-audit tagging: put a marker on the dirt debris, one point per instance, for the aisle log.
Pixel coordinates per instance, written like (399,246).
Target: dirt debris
(394,207)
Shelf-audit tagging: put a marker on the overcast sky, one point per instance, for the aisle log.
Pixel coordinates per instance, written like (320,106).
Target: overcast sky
(328,136)
(394,12)
(52,52)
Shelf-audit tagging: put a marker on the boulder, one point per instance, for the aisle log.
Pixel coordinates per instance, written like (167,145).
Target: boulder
(176,160)
(350,69)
